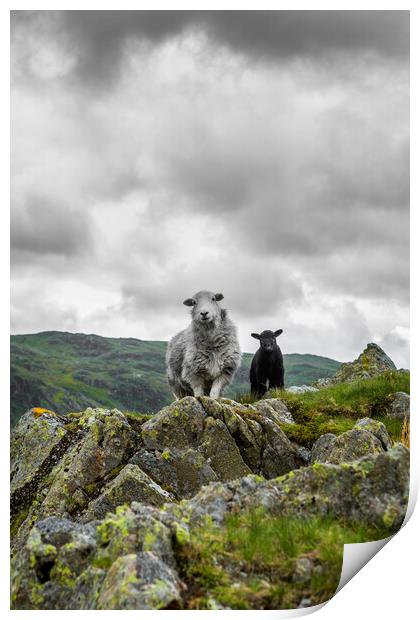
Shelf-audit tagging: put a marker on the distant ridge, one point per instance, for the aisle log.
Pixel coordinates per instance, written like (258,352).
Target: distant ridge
(67,371)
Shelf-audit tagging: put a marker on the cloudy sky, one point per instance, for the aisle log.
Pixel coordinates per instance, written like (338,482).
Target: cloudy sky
(264,155)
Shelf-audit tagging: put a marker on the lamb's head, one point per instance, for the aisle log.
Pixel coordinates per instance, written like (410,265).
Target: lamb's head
(267,339)
(205,309)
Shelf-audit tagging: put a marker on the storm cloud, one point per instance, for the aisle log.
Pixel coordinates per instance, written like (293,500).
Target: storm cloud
(263,154)
(100,36)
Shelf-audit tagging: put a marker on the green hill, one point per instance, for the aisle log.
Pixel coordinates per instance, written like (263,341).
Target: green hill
(69,372)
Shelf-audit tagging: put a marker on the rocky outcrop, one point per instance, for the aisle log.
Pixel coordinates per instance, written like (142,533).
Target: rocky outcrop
(370,363)
(127,560)
(103,502)
(82,466)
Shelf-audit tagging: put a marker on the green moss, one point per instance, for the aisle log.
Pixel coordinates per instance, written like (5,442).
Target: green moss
(166,455)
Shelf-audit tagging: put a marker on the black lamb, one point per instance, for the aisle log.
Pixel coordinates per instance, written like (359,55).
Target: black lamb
(267,364)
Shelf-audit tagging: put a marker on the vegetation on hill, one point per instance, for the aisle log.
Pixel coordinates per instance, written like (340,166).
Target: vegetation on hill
(334,409)
(68,372)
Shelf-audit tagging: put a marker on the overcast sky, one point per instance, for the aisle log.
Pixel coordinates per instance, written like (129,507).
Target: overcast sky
(264,155)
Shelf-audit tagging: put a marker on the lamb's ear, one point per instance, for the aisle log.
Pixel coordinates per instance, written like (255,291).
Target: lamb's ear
(218,296)
(278,332)
(189,302)
(257,336)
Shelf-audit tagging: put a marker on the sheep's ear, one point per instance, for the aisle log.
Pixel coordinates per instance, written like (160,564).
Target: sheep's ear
(218,297)
(278,332)
(189,302)
(257,336)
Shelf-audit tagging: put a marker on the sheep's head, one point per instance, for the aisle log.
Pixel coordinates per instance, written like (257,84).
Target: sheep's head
(205,309)
(267,339)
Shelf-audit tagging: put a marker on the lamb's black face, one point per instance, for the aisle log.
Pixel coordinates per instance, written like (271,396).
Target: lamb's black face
(267,341)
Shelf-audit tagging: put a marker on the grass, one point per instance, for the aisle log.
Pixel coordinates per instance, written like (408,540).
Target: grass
(335,409)
(250,562)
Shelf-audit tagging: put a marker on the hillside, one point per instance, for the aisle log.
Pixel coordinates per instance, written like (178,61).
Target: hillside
(68,372)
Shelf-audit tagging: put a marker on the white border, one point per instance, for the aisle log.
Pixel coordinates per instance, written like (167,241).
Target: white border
(386,586)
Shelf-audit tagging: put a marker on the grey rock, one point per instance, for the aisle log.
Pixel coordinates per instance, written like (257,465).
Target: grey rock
(279,455)
(181,471)
(301,389)
(35,449)
(131,484)
(275,410)
(303,570)
(377,428)
(322,448)
(399,406)
(139,581)
(349,446)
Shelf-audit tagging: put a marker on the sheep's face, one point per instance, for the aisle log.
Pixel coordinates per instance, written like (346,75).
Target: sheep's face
(267,339)
(205,309)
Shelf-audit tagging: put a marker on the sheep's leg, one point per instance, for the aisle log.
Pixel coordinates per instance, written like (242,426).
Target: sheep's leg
(197,385)
(217,387)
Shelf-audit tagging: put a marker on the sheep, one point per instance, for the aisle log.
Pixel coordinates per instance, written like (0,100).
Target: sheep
(203,358)
(267,364)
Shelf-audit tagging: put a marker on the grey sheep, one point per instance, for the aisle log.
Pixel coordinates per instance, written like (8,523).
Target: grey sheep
(203,358)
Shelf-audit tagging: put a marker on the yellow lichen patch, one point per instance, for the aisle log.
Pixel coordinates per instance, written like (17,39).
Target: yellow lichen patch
(39,411)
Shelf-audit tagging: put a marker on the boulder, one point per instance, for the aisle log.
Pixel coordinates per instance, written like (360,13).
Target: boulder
(107,443)
(275,410)
(399,406)
(377,428)
(93,448)
(37,443)
(139,581)
(180,425)
(348,446)
(322,448)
